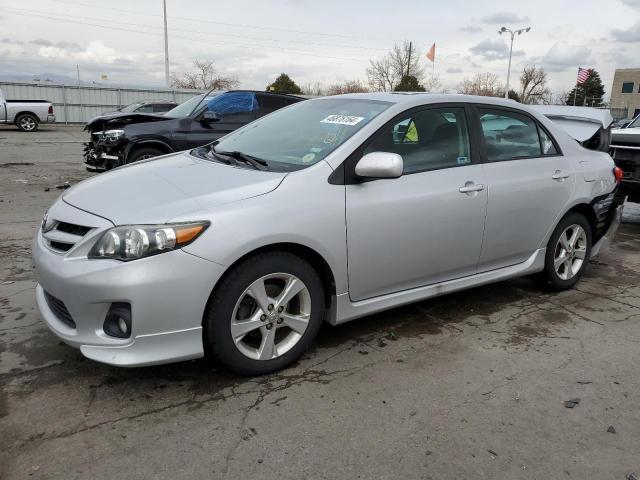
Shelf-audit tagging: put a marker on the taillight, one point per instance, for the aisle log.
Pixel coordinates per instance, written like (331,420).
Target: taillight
(50,109)
(618,174)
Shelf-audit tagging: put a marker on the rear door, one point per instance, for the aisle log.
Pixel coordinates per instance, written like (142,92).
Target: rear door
(529,181)
(426,226)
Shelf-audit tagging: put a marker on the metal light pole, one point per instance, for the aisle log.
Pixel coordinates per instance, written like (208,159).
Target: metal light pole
(166,46)
(513,33)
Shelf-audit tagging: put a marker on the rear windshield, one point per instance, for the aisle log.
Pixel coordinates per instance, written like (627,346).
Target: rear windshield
(305,132)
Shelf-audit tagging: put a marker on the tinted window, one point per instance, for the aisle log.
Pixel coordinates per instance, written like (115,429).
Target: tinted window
(145,109)
(427,139)
(270,103)
(509,135)
(548,147)
(162,107)
(627,87)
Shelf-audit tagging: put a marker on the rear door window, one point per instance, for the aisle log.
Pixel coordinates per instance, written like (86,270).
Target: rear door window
(509,135)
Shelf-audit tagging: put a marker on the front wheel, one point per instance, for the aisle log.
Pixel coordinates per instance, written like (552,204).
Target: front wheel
(265,313)
(568,252)
(143,154)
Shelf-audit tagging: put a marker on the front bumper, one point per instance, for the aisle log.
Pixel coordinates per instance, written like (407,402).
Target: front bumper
(99,158)
(167,293)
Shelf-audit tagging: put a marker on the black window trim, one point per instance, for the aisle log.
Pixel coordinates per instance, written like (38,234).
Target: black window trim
(345,174)
(483,146)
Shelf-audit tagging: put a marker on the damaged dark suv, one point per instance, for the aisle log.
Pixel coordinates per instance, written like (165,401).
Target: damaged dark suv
(125,138)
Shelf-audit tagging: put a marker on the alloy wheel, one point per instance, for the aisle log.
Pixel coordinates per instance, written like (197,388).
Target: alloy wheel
(271,316)
(570,252)
(27,123)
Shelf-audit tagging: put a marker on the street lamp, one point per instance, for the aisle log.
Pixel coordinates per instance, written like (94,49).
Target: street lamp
(513,34)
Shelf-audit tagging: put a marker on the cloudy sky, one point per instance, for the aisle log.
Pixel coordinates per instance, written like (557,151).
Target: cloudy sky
(313,41)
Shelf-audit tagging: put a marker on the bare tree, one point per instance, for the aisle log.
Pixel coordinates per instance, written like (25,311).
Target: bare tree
(432,83)
(204,77)
(533,85)
(315,89)
(483,84)
(348,86)
(385,74)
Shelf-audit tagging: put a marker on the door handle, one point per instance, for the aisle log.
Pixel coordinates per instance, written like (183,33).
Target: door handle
(558,175)
(471,187)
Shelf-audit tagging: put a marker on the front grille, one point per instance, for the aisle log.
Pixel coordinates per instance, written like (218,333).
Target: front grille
(79,230)
(65,235)
(59,309)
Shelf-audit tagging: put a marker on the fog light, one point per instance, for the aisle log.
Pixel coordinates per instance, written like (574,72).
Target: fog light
(118,321)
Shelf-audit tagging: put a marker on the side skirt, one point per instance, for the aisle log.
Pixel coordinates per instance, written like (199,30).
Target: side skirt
(347,310)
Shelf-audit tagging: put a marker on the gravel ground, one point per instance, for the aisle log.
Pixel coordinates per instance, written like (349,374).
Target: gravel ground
(470,385)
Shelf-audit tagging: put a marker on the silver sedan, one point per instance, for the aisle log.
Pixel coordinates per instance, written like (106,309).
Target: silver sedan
(328,210)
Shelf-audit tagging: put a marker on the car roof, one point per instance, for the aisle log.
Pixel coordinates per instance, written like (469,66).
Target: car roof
(420,98)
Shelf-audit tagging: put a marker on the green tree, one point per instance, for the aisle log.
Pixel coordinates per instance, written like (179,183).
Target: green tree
(409,83)
(284,84)
(590,93)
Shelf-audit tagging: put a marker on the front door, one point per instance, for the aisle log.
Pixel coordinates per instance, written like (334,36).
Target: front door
(529,181)
(426,226)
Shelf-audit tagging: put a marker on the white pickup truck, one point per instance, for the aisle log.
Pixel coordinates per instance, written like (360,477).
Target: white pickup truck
(26,114)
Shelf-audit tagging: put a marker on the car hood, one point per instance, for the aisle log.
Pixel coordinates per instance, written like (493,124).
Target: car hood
(120,119)
(165,188)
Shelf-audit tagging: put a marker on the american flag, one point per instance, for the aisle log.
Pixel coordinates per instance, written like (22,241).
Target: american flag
(583,74)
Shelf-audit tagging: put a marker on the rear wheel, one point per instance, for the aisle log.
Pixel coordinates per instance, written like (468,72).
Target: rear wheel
(143,154)
(27,122)
(265,313)
(568,252)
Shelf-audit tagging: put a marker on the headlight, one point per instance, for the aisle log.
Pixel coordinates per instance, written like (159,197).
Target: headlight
(112,136)
(131,242)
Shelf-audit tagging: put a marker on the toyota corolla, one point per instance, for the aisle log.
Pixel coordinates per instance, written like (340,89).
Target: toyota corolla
(324,211)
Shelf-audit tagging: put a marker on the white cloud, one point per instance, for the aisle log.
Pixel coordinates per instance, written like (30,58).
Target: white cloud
(630,35)
(505,17)
(561,56)
(471,28)
(493,49)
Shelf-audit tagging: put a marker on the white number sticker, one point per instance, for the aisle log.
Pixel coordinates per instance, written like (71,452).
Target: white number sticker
(342,119)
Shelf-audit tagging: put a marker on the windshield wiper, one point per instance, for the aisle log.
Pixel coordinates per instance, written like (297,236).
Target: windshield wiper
(257,163)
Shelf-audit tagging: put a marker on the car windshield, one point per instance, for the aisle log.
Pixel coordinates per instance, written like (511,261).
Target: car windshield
(131,107)
(186,108)
(304,133)
(635,123)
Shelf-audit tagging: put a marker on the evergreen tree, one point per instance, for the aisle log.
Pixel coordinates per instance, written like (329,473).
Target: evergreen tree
(589,93)
(409,83)
(284,84)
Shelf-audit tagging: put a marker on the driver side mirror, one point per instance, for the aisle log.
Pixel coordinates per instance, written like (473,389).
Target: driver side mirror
(380,165)
(209,117)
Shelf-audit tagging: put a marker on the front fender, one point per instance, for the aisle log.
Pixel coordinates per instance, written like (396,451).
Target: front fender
(147,142)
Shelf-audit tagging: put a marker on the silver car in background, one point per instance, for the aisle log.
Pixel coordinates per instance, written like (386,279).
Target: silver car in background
(327,210)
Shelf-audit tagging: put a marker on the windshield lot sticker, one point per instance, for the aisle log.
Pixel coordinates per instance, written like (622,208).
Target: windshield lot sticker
(308,157)
(463,160)
(342,120)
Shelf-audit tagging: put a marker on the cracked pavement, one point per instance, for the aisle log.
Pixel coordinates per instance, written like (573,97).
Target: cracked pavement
(469,385)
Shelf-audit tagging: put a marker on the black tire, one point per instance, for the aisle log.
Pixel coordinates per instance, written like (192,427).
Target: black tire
(217,320)
(27,122)
(550,276)
(144,153)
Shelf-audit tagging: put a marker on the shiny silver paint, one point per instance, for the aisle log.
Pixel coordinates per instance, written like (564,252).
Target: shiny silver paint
(387,242)
(380,165)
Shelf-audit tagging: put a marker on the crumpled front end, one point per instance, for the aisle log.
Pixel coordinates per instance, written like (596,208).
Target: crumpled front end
(102,153)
